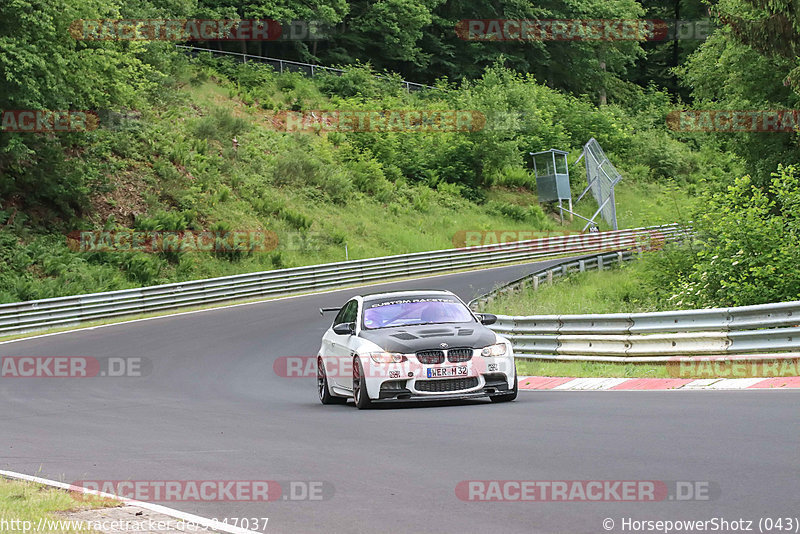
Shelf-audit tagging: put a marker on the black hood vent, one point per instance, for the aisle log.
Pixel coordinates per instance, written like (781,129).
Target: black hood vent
(404,336)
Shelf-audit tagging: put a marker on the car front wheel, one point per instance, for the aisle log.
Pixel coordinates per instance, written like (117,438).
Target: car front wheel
(360,395)
(507,396)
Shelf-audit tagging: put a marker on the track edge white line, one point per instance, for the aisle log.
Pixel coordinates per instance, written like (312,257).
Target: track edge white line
(177,514)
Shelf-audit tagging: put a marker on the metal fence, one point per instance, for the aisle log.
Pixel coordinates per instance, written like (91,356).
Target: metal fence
(284,65)
(603,178)
(35,315)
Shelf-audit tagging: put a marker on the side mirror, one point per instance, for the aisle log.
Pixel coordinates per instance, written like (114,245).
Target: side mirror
(487,318)
(344,329)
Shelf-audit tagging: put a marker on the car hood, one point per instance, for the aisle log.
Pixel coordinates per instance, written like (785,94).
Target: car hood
(408,339)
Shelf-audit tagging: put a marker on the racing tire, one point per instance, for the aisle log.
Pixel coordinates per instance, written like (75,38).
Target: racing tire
(507,397)
(324,391)
(360,395)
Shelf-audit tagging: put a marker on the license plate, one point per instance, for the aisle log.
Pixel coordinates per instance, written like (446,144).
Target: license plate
(442,372)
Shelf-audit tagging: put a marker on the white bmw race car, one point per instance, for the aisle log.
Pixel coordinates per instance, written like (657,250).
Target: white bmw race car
(412,345)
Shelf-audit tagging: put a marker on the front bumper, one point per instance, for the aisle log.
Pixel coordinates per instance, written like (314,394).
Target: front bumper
(488,386)
(412,380)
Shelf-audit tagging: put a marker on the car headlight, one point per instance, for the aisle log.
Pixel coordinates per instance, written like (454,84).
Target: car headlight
(494,350)
(387,357)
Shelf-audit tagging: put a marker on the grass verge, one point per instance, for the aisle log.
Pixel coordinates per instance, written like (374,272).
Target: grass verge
(591,369)
(25,506)
(622,289)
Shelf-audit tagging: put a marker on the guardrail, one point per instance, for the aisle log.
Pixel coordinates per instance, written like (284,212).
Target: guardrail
(21,317)
(284,65)
(766,331)
(534,280)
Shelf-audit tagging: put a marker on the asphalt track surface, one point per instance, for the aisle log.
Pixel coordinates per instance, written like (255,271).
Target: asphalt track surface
(213,409)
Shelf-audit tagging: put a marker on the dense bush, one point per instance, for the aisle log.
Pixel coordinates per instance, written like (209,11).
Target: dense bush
(530,214)
(749,244)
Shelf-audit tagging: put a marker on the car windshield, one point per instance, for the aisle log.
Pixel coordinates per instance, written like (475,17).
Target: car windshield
(415,311)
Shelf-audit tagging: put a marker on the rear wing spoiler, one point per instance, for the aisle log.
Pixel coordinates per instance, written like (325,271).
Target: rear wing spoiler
(323,310)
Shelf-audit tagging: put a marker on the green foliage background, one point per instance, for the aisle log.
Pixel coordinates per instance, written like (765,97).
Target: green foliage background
(164,156)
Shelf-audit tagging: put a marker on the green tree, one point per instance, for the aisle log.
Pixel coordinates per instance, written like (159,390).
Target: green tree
(671,49)
(324,12)
(725,74)
(771,27)
(43,67)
